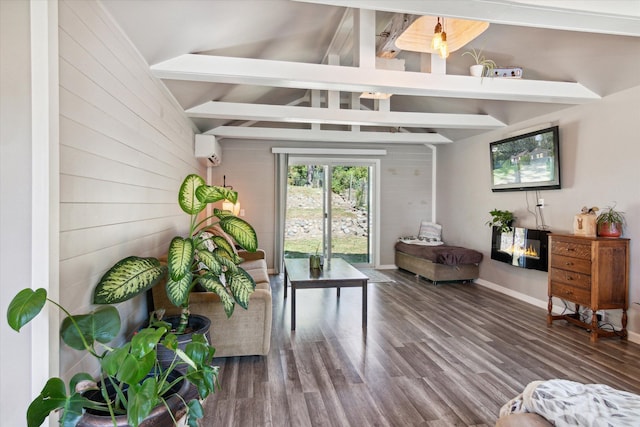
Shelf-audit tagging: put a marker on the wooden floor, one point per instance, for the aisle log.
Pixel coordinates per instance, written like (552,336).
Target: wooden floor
(446,355)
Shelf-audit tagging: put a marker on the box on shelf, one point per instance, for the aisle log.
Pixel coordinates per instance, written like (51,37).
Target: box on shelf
(507,72)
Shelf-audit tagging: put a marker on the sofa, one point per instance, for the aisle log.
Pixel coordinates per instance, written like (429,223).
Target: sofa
(560,402)
(246,332)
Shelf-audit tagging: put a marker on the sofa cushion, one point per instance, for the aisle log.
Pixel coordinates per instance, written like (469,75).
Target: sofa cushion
(255,264)
(258,275)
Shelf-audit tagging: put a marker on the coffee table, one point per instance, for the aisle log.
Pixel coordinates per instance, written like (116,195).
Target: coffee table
(337,273)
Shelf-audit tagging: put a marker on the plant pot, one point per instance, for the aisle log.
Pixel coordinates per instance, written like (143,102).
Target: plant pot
(476,70)
(314,262)
(197,325)
(609,229)
(158,417)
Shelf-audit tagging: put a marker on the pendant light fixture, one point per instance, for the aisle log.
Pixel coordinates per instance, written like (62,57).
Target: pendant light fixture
(421,35)
(443,48)
(439,40)
(437,36)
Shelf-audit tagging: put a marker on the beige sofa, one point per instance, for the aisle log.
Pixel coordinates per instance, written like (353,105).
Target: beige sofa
(560,401)
(523,420)
(246,332)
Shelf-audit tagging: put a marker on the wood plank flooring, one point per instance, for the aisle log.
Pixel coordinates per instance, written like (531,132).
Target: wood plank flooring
(446,355)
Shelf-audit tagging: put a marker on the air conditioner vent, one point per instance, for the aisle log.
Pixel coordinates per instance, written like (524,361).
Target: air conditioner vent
(207,147)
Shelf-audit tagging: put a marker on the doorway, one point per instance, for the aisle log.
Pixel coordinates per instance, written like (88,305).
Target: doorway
(329,209)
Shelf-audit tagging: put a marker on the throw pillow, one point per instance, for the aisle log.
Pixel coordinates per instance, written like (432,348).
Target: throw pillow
(430,231)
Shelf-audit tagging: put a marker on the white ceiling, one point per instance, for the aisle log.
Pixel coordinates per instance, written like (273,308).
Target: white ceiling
(258,60)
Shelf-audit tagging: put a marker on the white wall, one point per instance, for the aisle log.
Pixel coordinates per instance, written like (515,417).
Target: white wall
(125,148)
(15,204)
(405,188)
(599,156)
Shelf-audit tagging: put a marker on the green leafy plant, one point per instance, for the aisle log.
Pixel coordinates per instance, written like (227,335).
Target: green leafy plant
(488,65)
(199,258)
(610,217)
(132,371)
(502,219)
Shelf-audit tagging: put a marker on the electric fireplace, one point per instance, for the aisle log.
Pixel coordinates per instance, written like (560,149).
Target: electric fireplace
(521,247)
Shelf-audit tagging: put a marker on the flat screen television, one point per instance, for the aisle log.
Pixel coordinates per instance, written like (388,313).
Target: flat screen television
(526,162)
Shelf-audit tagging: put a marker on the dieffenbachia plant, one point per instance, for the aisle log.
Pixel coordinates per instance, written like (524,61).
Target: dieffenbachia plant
(199,258)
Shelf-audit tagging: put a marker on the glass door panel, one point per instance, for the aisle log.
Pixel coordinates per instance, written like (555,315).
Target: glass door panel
(328,211)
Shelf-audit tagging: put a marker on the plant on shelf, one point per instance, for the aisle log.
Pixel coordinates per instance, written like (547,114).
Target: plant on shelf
(501,219)
(610,222)
(201,258)
(483,66)
(132,386)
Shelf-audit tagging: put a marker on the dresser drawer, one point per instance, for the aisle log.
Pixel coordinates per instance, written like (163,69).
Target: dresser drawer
(571,249)
(573,294)
(571,278)
(571,264)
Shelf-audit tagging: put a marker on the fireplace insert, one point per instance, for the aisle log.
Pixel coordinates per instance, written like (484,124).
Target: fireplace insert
(522,247)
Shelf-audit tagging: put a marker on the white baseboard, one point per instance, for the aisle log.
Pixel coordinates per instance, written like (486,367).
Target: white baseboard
(632,336)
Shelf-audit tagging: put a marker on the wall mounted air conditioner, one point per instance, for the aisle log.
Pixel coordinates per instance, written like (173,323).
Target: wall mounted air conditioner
(208,148)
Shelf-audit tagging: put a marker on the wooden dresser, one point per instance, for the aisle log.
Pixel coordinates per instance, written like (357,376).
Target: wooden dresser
(592,272)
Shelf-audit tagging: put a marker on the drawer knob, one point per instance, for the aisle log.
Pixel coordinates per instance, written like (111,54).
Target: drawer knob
(569,278)
(570,249)
(569,292)
(568,263)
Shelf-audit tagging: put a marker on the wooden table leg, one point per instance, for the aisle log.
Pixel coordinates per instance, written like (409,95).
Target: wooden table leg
(364,303)
(293,306)
(285,281)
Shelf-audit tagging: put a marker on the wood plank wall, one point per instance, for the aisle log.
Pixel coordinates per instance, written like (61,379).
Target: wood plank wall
(125,147)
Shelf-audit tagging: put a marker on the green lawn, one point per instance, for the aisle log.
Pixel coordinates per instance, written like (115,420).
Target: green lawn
(305,203)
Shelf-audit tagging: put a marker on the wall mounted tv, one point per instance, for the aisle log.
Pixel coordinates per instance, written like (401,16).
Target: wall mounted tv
(526,162)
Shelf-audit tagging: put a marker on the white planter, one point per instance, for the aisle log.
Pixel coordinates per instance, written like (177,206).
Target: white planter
(476,70)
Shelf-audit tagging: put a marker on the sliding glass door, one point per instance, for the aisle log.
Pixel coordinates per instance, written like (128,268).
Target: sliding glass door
(329,209)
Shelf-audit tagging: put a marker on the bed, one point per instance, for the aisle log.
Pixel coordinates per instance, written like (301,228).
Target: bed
(427,256)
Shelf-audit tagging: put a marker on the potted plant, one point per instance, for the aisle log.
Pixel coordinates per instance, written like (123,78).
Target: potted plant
(610,222)
(501,219)
(314,260)
(200,258)
(133,388)
(483,66)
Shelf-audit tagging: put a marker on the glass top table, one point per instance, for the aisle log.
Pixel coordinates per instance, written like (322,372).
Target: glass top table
(336,273)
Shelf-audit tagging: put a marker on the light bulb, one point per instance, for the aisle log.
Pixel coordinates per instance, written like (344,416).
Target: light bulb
(437,36)
(444,49)
(436,41)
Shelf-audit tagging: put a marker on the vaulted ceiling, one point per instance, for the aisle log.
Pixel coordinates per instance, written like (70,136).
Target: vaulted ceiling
(283,69)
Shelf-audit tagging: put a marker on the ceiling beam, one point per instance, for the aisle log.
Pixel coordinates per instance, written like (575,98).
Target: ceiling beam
(220,69)
(605,17)
(290,114)
(309,135)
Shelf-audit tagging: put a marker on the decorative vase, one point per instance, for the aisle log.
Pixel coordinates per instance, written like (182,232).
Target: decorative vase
(609,229)
(476,70)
